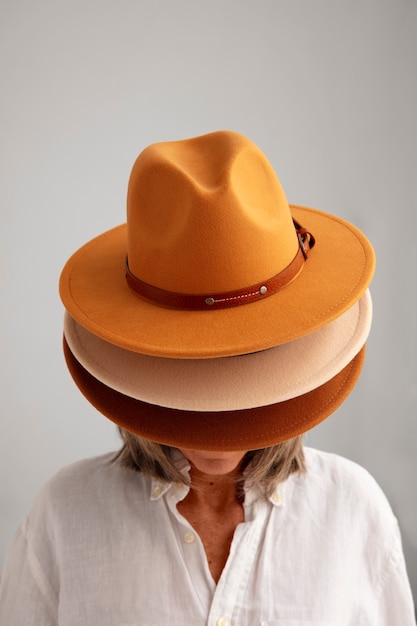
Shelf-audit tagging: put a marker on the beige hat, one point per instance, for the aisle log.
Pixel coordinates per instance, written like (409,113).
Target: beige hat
(228,383)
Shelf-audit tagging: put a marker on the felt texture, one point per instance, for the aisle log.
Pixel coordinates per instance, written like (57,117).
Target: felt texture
(210,214)
(246,429)
(227,383)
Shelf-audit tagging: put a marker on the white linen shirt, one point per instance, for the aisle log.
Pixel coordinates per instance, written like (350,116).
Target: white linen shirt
(106,546)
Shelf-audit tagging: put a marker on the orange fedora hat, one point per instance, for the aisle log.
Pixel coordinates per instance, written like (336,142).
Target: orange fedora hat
(213,261)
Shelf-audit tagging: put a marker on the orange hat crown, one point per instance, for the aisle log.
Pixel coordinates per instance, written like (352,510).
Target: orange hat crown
(206,215)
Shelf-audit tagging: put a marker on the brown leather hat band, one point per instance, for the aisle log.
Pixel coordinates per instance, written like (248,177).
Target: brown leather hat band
(259,291)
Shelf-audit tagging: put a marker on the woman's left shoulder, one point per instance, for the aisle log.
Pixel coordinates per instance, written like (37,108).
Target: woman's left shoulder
(341,481)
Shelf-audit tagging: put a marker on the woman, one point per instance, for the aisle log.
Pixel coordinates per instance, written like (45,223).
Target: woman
(214,328)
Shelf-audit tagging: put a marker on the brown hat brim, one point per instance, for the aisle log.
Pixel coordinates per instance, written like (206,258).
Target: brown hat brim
(246,429)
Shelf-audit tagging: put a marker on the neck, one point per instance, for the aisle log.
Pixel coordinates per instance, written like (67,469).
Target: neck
(213,509)
(215,492)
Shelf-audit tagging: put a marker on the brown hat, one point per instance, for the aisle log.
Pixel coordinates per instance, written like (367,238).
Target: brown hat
(245,429)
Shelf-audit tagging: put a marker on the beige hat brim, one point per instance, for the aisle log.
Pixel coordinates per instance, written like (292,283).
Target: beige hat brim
(228,383)
(246,429)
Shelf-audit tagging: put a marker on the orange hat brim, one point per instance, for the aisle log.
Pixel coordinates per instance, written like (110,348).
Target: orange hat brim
(338,270)
(245,429)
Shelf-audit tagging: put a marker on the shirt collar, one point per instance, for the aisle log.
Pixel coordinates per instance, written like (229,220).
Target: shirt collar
(277,497)
(258,492)
(159,488)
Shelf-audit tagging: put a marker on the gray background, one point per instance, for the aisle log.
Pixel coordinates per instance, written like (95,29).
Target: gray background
(327,89)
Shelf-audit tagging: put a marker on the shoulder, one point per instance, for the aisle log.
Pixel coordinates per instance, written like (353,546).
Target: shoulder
(341,484)
(99,485)
(331,466)
(90,469)
(340,474)
(86,474)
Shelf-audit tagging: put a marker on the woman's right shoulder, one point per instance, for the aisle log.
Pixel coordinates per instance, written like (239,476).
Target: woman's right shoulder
(89,469)
(89,484)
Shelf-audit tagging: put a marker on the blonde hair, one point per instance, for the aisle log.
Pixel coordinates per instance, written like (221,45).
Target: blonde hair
(266,467)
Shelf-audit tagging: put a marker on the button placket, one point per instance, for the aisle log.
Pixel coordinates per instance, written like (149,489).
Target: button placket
(230,590)
(192,551)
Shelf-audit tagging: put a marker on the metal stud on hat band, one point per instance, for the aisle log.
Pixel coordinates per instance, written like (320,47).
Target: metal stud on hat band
(261,290)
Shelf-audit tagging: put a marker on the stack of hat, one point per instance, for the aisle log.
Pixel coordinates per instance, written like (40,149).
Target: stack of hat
(219,317)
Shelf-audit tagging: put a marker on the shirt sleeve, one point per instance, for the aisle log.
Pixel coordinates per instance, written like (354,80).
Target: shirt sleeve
(27,597)
(395,604)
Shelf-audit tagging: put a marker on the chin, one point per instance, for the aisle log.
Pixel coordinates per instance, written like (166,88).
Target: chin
(214,463)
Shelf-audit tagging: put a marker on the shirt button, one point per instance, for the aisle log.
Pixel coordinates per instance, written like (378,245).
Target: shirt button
(157,492)
(276,498)
(222,621)
(189,537)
